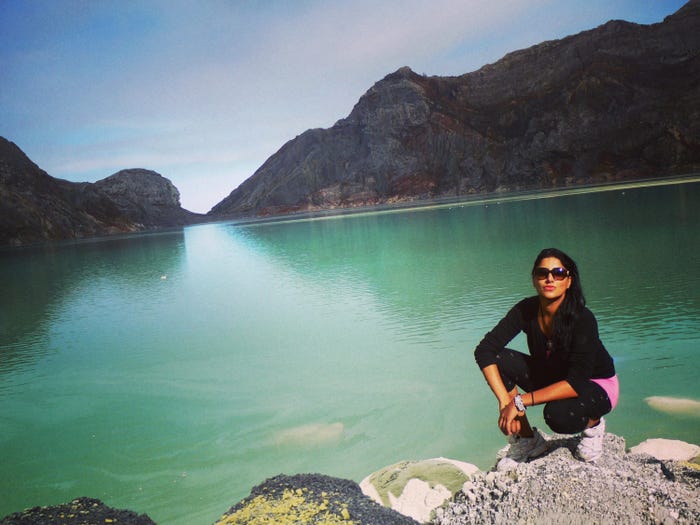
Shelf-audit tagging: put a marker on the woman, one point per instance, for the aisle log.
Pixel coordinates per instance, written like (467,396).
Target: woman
(568,369)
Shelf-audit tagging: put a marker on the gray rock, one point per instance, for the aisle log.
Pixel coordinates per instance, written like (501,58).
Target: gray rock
(556,488)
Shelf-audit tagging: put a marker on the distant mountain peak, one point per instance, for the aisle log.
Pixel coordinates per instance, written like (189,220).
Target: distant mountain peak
(35,207)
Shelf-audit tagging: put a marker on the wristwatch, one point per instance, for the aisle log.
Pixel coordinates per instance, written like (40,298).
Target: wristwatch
(518,402)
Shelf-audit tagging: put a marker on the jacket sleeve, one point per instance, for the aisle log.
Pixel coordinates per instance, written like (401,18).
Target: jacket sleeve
(502,334)
(584,348)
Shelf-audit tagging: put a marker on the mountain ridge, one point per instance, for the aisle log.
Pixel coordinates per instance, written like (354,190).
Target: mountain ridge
(36,207)
(616,103)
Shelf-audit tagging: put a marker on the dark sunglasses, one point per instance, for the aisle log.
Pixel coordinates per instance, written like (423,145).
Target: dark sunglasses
(558,274)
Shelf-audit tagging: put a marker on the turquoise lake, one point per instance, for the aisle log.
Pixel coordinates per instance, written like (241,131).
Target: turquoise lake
(169,373)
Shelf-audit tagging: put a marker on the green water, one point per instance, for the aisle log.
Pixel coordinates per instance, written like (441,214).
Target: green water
(170,373)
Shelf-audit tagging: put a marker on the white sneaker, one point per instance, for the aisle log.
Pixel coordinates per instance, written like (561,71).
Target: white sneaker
(520,449)
(590,448)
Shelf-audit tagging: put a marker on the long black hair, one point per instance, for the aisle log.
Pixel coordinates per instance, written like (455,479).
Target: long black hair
(573,303)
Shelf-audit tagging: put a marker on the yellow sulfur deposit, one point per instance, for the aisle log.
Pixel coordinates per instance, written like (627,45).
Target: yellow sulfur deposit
(291,507)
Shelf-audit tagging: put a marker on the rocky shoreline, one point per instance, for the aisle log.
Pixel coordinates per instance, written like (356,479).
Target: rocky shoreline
(655,482)
(623,487)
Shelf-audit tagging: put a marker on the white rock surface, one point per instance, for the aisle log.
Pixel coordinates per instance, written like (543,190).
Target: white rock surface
(667,449)
(419,499)
(558,489)
(417,488)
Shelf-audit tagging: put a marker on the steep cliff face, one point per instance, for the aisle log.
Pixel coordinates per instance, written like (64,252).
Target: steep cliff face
(36,207)
(618,102)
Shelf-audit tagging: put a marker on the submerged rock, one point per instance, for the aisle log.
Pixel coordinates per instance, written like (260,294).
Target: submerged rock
(674,405)
(310,435)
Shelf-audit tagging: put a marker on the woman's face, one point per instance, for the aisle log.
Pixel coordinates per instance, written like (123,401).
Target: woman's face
(549,286)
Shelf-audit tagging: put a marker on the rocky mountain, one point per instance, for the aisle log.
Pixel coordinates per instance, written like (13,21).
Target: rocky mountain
(619,102)
(36,207)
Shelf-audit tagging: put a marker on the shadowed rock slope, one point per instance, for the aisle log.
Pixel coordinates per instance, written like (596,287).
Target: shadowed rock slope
(35,207)
(619,102)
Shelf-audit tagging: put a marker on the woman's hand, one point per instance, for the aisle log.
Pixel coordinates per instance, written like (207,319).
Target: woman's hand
(508,420)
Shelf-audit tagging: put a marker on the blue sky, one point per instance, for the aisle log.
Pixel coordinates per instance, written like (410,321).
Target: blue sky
(203,92)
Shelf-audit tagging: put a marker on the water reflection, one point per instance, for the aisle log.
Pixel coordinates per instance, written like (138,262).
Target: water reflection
(36,281)
(417,265)
(452,265)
